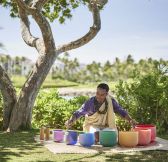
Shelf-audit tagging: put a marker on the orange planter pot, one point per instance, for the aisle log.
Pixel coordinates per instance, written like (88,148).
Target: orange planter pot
(128,138)
(144,136)
(148,126)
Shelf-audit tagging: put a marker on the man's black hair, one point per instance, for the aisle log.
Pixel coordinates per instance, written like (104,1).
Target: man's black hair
(103,86)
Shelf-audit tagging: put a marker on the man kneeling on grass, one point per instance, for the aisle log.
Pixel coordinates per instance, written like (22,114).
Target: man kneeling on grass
(99,112)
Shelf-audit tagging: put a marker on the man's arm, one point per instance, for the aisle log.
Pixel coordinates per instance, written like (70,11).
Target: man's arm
(122,112)
(77,114)
(118,109)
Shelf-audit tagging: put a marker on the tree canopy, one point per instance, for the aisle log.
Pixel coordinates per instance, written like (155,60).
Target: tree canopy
(17,109)
(59,9)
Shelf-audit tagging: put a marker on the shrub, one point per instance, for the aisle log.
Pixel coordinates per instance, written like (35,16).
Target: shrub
(146,98)
(52,110)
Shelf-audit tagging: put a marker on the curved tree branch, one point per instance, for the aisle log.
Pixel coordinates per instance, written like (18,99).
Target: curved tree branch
(9,96)
(24,6)
(25,29)
(44,26)
(38,4)
(89,36)
(31,5)
(24,10)
(35,11)
(46,31)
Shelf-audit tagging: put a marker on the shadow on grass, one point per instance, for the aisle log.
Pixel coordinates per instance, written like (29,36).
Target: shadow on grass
(16,144)
(21,146)
(87,157)
(154,156)
(5,156)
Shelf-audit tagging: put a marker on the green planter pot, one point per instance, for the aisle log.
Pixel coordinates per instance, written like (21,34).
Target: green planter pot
(108,138)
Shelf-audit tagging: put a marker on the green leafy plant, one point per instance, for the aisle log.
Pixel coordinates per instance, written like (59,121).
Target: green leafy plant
(52,110)
(146,97)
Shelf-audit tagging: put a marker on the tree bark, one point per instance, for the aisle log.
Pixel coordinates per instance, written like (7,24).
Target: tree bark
(22,112)
(9,97)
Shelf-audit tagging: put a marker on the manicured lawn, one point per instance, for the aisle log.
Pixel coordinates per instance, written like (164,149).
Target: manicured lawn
(21,147)
(18,81)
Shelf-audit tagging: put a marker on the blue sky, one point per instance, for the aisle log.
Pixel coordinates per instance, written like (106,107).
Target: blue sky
(136,27)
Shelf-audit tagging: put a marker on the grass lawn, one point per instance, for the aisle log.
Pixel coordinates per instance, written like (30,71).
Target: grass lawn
(20,147)
(18,81)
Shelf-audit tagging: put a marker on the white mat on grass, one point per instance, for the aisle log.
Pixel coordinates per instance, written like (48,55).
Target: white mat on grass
(159,144)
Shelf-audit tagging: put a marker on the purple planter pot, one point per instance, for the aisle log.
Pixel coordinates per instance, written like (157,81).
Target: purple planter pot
(58,135)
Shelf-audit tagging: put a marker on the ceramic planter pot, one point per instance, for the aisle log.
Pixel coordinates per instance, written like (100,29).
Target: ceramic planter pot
(58,135)
(71,137)
(144,136)
(86,139)
(108,138)
(128,138)
(148,126)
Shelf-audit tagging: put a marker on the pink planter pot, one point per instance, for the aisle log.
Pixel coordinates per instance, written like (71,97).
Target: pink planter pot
(144,137)
(148,126)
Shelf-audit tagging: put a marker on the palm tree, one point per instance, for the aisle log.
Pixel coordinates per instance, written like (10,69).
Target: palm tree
(130,60)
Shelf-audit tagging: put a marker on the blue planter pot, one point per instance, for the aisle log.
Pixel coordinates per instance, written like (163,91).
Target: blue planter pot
(87,139)
(71,137)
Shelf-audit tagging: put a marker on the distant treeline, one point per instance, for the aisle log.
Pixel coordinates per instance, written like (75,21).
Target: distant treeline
(72,70)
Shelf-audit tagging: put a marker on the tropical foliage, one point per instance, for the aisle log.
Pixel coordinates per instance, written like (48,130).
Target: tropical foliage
(72,70)
(144,95)
(52,110)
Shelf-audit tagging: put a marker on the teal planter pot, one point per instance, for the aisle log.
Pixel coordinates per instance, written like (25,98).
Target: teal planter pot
(108,138)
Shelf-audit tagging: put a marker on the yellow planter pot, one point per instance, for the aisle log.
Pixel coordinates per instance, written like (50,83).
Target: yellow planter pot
(128,138)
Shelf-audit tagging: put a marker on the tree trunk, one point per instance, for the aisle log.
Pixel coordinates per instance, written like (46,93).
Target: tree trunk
(9,97)
(7,109)
(22,111)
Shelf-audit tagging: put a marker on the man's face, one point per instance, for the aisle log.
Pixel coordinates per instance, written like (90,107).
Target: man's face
(101,95)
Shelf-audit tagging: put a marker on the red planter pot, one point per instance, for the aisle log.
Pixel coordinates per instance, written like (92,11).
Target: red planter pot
(144,137)
(148,126)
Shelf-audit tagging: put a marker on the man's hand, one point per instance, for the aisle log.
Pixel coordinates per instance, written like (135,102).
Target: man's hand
(133,123)
(68,124)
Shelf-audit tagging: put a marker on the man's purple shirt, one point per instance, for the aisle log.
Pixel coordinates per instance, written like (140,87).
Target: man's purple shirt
(89,109)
